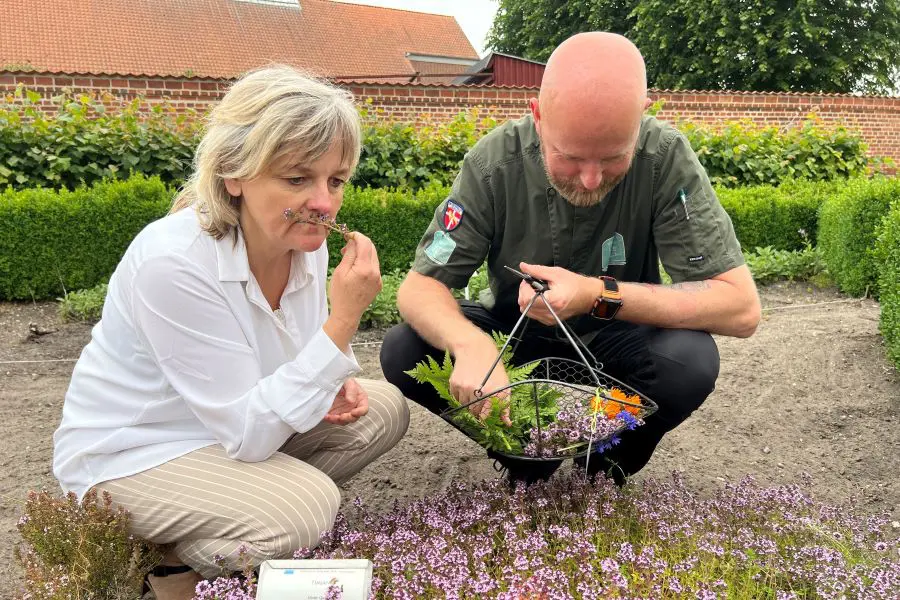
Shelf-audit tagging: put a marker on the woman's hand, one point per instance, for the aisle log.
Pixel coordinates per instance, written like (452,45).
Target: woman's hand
(354,284)
(349,405)
(356,280)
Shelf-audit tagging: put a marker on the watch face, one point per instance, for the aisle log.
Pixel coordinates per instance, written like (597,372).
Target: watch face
(600,309)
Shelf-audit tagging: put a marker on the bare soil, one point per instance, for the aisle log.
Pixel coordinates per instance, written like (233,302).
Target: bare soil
(811,392)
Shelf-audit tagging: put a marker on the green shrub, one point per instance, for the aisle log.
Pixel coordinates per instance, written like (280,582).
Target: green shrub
(404,155)
(768,264)
(383,310)
(53,241)
(84,143)
(394,219)
(847,224)
(740,153)
(83,305)
(887,257)
(764,215)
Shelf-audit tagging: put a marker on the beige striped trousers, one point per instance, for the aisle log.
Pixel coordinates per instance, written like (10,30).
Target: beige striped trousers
(210,506)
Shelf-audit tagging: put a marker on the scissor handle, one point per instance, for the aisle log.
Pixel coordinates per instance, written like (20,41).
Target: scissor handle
(539,285)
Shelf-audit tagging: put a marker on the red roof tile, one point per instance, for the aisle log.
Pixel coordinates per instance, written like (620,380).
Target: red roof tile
(219,38)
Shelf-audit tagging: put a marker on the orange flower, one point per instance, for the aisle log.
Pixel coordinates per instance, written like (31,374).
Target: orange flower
(613,408)
(613,402)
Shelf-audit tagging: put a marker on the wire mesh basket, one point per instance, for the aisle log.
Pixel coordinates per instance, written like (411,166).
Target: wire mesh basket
(553,408)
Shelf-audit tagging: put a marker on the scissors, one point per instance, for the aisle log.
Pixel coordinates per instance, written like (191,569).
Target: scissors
(539,285)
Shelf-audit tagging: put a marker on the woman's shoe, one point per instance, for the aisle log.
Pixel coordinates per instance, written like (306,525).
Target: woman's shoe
(172,582)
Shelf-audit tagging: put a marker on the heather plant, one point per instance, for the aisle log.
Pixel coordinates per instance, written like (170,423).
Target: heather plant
(75,550)
(573,538)
(237,587)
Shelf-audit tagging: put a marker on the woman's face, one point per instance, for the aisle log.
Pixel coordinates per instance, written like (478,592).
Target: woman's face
(309,189)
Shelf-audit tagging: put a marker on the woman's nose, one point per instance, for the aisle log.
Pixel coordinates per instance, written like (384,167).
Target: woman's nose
(320,200)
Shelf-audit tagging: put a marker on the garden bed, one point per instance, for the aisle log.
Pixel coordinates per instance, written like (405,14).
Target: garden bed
(810,392)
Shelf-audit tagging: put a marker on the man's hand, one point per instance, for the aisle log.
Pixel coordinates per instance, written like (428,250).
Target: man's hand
(473,358)
(351,403)
(569,293)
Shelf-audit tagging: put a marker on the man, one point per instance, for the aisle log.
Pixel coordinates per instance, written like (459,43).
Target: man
(589,195)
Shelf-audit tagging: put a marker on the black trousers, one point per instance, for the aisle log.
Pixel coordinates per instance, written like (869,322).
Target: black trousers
(676,368)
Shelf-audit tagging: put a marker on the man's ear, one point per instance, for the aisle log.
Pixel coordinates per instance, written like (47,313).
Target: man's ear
(535,109)
(233,186)
(647,103)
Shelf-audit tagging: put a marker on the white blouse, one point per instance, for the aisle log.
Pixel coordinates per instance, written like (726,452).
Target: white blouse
(188,353)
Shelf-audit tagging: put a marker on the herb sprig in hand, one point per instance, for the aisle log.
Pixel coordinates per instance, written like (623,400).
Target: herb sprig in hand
(319,219)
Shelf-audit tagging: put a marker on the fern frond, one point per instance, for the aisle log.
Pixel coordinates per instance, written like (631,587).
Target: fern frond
(438,375)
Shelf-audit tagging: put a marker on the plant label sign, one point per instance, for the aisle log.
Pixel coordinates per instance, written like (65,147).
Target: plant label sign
(311,579)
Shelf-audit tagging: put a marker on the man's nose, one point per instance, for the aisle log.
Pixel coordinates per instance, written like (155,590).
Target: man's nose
(591,177)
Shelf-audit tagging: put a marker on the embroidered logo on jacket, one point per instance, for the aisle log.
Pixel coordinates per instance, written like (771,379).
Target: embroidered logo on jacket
(613,251)
(453,215)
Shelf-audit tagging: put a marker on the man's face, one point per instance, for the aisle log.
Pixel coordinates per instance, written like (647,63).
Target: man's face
(583,167)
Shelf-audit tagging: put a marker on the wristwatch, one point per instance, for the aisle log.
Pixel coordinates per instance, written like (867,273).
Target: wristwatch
(608,303)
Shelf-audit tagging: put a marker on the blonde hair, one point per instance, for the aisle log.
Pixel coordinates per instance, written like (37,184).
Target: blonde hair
(266,114)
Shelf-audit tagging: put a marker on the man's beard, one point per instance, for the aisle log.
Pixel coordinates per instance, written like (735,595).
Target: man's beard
(577,195)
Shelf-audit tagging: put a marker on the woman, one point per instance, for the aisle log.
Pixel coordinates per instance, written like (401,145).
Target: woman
(215,400)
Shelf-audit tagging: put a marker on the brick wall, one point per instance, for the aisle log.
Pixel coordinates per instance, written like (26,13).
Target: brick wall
(183,94)
(878,118)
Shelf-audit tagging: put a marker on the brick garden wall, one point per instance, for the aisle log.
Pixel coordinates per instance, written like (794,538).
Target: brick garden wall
(877,118)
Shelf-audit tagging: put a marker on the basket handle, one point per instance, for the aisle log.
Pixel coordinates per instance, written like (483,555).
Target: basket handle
(540,286)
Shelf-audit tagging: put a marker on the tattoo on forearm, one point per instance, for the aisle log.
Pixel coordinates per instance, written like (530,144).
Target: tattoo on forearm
(691,286)
(686,286)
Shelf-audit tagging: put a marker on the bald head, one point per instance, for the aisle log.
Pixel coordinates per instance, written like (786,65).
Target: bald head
(588,114)
(596,71)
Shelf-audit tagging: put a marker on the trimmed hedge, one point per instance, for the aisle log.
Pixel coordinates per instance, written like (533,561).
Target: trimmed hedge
(57,241)
(782,217)
(887,257)
(394,219)
(53,241)
(847,225)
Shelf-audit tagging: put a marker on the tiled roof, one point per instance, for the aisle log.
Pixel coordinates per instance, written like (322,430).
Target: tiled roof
(219,38)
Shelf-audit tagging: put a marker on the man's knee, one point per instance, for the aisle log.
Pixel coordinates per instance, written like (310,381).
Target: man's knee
(401,349)
(687,365)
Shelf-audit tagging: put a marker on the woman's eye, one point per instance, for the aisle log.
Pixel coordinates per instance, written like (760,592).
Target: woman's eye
(337,182)
(296,180)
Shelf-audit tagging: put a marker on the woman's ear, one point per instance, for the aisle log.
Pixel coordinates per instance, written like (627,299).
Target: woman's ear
(233,186)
